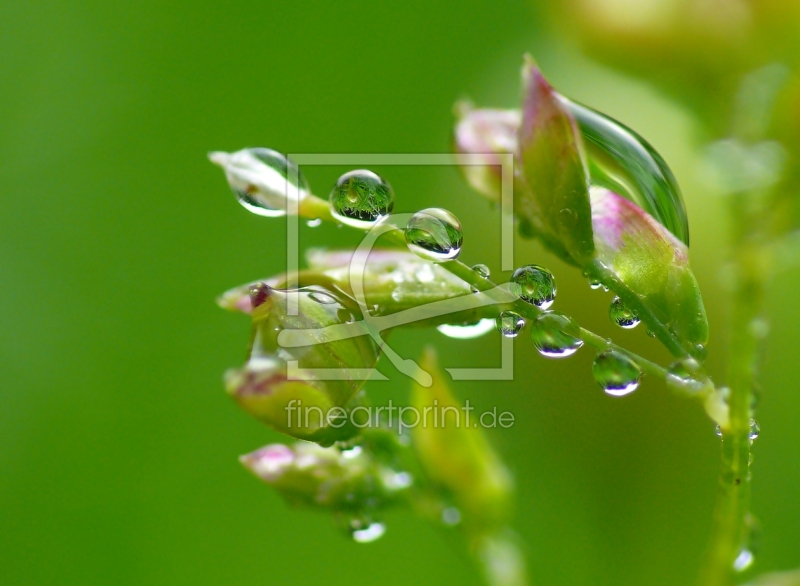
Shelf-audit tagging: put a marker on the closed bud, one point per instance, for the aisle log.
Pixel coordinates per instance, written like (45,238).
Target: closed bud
(298,380)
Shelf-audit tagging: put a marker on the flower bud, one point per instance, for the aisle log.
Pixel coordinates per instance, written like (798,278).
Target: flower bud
(456,454)
(309,475)
(263,180)
(301,390)
(651,262)
(484,134)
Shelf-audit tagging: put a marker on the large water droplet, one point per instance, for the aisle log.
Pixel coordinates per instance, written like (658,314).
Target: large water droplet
(509,323)
(434,234)
(625,163)
(622,315)
(262,179)
(616,374)
(361,198)
(536,285)
(556,335)
(467,331)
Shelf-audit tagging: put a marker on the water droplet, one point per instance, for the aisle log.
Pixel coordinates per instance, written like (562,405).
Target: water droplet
(744,560)
(482,270)
(262,179)
(467,331)
(314,223)
(616,374)
(364,531)
(451,516)
(509,323)
(755,429)
(361,198)
(595,284)
(621,315)
(750,544)
(536,285)
(625,163)
(718,431)
(680,376)
(698,351)
(434,234)
(556,335)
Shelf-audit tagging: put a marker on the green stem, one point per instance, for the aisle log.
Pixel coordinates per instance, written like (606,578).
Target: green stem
(729,531)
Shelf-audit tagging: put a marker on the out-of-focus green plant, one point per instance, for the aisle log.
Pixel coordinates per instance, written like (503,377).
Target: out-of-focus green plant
(597,195)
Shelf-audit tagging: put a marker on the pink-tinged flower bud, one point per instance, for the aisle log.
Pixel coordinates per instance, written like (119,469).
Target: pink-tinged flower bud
(651,262)
(301,389)
(484,134)
(309,475)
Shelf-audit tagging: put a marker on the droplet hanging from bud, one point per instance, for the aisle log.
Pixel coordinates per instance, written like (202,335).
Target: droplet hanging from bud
(434,234)
(263,180)
(616,374)
(536,285)
(361,198)
(556,335)
(509,323)
(622,315)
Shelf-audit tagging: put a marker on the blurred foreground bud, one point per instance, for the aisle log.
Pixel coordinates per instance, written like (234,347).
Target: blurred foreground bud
(456,455)
(301,389)
(309,475)
(263,180)
(651,262)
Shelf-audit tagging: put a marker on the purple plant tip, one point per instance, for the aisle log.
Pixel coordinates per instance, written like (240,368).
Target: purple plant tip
(259,293)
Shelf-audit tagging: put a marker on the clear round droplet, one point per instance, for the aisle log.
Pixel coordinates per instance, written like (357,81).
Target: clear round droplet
(509,323)
(621,315)
(535,285)
(616,374)
(594,284)
(434,234)
(555,335)
(755,429)
(680,376)
(718,431)
(467,331)
(482,270)
(698,351)
(263,180)
(361,198)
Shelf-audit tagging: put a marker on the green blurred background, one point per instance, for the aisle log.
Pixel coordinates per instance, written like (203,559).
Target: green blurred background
(118,446)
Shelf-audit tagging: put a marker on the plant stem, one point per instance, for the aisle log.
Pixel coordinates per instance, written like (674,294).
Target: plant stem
(729,533)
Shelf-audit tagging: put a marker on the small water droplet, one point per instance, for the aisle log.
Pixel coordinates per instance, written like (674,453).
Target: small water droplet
(680,376)
(750,544)
(535,285)
(616,374)
(651,333)
(744,560)
(621,315)
(698,352)
(556,335)
(482,270)
(364,531)
(509,323)
(467,331)
(314,223)
(755,429)
(595,284)
(451,516)
(718,431)
(361,198)
(434,234)
(397,295)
